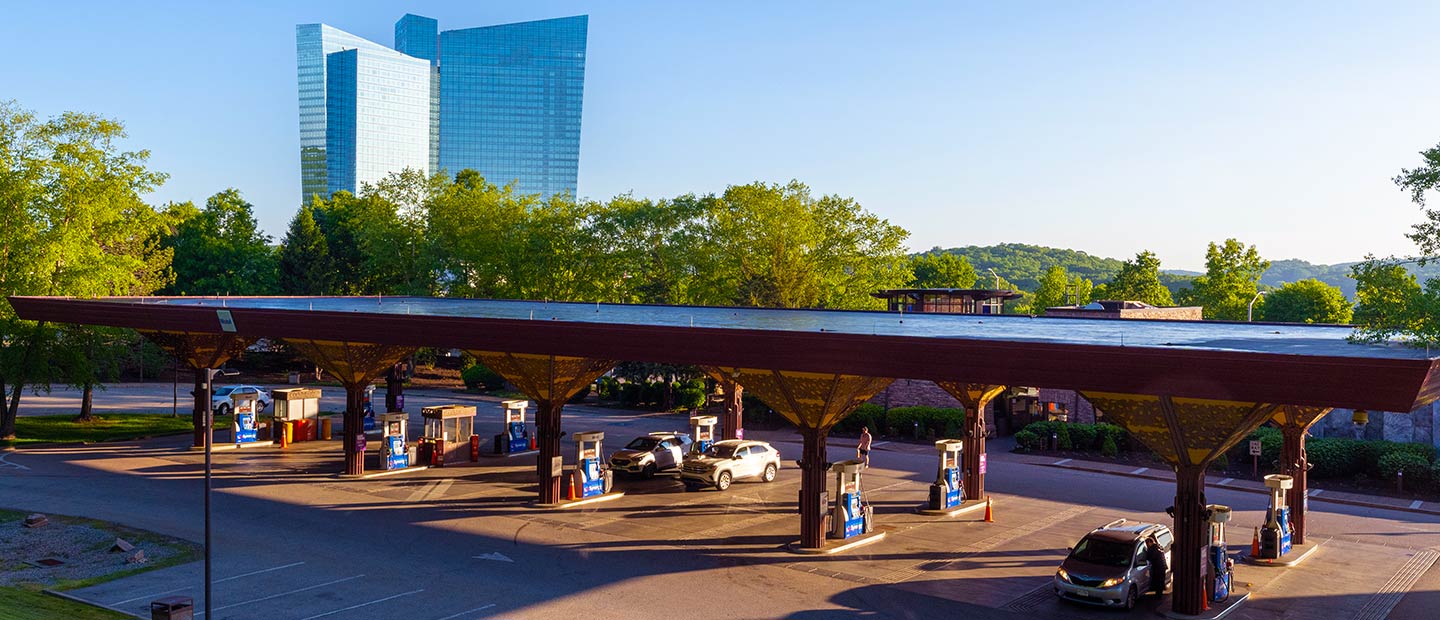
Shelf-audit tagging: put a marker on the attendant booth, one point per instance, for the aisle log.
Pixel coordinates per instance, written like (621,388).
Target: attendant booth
(297,415)
(245,405)
(394,451)
(448,429)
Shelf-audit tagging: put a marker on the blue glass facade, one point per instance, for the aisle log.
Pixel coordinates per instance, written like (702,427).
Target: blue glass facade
(503,100)
(510,102)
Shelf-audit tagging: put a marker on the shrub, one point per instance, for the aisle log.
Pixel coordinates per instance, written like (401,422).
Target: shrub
(1414,466)
(866,415)
(1027,440)
(1084,436)
(1332,457)
(1107,445)
(1117,435)
(630,394)
(1063,440)
(690,397)
(478,377)
(1221,463)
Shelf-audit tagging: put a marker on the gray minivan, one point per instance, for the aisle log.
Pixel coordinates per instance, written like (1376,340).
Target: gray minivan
(1110,567)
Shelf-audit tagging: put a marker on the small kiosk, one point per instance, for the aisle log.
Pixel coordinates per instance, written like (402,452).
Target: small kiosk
(515,438)
(447,433)
(947,492)
(590,478)
(394,451)
(1275,534)
(851,516)
(246,408)
(296,408)
(702,430)
(1221,566)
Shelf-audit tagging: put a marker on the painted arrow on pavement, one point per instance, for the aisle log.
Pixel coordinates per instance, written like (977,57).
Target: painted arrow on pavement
(498,557)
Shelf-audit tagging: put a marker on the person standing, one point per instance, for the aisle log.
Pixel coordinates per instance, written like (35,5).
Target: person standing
(864,447)
(1159,569)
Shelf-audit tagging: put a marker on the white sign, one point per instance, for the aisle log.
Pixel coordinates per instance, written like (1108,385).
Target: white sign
(227,322)
(1254,447)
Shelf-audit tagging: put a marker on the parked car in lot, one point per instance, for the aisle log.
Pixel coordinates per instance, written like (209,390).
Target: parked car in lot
(651,453)
(728,461)
(220,399)
(1110,565)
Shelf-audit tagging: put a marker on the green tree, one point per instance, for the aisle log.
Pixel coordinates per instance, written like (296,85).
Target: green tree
(1058,288)
(1390,303)
(647,245)
(1231,280)
(305,267)
(940,269)
(71,223)
(1138,280)
(219,250)
(1307,301)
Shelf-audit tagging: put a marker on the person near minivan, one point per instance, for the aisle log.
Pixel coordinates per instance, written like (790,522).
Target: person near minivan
(1158,568)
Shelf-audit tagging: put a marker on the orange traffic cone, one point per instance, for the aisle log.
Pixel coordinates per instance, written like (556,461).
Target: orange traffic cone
(989,516)
(1255,544)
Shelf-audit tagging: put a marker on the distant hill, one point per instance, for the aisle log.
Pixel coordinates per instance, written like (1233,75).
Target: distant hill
(1022,265)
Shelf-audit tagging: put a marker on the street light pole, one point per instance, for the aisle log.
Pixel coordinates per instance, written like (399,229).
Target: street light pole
(209,436)
(1250,311)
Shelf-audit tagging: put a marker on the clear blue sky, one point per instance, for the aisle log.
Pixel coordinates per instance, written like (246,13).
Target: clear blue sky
(1104,126)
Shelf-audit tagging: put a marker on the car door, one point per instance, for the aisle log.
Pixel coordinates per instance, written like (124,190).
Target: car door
(740,465)
(755,460)
(666,454)
(1140,570)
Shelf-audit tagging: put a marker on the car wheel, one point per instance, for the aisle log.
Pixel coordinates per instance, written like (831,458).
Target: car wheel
(1130,598)
(722,481)
(769,475)
(649,471)
(223,410)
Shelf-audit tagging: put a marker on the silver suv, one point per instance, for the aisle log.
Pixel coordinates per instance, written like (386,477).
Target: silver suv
(1110,566)
(648,454)
(728,461)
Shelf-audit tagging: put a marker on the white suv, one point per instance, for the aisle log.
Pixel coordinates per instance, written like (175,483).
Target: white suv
(728,461)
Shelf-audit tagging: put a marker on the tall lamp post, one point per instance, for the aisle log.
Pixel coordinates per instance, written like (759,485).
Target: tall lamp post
(1250,311)
(209,423)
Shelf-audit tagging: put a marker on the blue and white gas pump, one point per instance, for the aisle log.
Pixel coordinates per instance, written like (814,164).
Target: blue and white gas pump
(1275,534)
(1221,566)
(851,516)
(369,408)
(516,435)
(591,477)
(394,451)
(246,407)
(947,492)
(702,430)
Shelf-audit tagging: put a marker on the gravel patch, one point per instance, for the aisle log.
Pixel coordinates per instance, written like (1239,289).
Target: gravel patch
(83,547)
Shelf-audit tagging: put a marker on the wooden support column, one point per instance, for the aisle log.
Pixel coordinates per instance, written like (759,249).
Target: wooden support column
(1295,422)
(1188,433)
(549,380)
(975,397)
(734,417)
(200,351)
(394,386)
(815,402)
(355,365)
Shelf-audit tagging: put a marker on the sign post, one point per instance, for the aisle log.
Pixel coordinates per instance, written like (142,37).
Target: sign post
(1255,457)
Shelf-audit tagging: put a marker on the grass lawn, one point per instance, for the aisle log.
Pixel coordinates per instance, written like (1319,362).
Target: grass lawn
(108,427)
(28,604)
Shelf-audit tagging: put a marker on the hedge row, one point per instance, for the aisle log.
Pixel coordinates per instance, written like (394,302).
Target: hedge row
(1341,457)
(1107,439)
(652,394)
(905,421)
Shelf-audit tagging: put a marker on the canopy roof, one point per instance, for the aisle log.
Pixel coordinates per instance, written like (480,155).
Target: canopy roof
(1259,362)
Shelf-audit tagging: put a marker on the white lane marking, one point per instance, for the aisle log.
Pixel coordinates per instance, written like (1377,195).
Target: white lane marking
(1389,595)
(1227,481)
(295,591)
(1140,471)
(6,455)
(1314,492)
(231,578)
(468,611)
(1415,504)
(878,444)
(420,493)
(497,556)
(438,492)
(378,600)
(1061,462)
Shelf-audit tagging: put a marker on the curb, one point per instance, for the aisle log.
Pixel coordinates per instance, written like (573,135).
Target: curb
(1236,487)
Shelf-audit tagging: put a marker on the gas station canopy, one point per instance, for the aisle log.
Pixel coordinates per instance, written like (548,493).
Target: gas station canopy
(1254,362)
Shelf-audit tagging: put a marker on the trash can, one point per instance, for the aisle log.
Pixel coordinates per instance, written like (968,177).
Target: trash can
(326,423)
(173,608)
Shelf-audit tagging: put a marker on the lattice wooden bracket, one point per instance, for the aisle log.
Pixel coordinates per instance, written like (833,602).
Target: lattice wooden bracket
(1299,415)
(973,396)
(1183,431)
(807,399)
(545,378)
(200,350)
(352,363)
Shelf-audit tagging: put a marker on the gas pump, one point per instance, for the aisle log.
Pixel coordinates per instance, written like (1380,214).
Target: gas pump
(1275,534)
(947,491)
(851,516)
(591,478)
(516,436)
(368,406)
(394,452)
(1221,566)
(702,430)
(246,407)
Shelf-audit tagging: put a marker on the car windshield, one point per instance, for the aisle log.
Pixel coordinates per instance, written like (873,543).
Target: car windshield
(642,443)
(722,451)
(224,391)
(1105,552)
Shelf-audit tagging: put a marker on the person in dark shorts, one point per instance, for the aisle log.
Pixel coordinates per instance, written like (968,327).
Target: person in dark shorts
(864,447)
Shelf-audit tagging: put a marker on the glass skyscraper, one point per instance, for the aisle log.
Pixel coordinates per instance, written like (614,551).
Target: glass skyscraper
(503,100)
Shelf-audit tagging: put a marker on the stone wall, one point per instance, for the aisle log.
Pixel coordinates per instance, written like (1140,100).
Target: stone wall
(1416,426)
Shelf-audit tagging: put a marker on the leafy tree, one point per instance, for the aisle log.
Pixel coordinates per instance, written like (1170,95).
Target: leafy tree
(1307,301)
(305,267)
(648,249)
(1138,280)
(219,250)
(1419,182)
(1232,274)
(941,270)
(1058,288)
(1389,302)
(71,223)
(392,233)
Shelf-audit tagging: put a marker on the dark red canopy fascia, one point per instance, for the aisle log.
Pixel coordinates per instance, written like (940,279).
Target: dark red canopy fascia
(1327,381)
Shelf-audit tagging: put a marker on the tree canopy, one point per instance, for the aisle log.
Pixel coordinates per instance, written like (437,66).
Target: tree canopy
(1307,301)
(941,270)
(1138,280)
(1059,288)
(1230,283)
(219,250)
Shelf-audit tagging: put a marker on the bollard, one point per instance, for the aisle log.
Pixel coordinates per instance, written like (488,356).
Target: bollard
(1054,441)
(1400,481)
